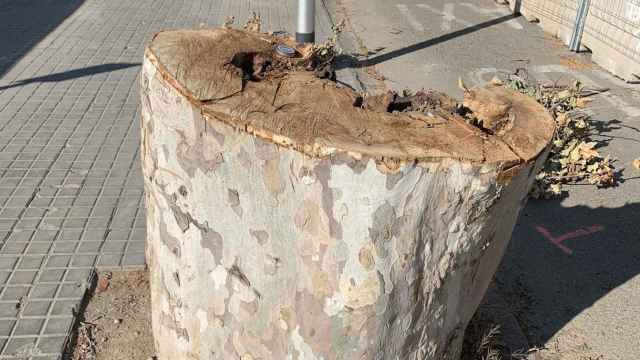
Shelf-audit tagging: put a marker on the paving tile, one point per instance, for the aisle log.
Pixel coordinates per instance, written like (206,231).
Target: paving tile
(71,190)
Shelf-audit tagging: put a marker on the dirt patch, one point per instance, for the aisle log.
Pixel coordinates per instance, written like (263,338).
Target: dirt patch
(495,331)
(116,324)
(483,339)
(575,63)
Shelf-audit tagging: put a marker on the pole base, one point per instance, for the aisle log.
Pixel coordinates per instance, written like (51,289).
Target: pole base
(305,38)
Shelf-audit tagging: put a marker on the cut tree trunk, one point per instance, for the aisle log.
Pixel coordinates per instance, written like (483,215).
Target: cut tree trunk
(284,222)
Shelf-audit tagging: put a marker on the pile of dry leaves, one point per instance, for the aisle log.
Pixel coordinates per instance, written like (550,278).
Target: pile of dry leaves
(574,156)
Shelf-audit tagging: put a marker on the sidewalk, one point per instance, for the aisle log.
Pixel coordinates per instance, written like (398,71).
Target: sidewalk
(71,196)
(580,305)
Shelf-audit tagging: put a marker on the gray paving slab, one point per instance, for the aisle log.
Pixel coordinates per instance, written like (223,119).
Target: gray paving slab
(71,194)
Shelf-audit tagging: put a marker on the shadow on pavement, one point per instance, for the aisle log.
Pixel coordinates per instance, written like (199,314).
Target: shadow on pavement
(24,23)
(604,128)
(548,279)
(72,74)
(355,63)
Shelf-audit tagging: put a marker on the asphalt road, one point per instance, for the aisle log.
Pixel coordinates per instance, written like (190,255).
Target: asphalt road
(580,299)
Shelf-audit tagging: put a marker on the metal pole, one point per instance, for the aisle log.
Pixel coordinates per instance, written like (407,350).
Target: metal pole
(516,7)
(305,33)
(581,19)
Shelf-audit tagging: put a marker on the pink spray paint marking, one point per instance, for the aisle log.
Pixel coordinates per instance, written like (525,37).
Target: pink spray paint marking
(557,241)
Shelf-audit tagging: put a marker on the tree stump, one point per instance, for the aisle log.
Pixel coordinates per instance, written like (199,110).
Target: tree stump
(288,221)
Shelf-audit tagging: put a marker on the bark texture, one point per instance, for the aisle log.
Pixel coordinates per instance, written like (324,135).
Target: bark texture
(285,223)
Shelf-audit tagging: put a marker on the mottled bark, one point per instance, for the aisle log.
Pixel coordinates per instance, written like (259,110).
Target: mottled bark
(266,241)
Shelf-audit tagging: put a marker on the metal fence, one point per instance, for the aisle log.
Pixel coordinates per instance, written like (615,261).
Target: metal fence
(611,29)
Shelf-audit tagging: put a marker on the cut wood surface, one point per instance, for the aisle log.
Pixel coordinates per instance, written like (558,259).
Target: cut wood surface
(318,117)
(288,221)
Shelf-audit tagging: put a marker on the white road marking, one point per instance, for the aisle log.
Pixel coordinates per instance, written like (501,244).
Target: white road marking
(415,24)
(495,11)
(477,76)
(447,16)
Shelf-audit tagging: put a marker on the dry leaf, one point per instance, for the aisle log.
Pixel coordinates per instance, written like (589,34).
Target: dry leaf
(573,157)
(103,284)
(561,119)
(556,189)
(564,94)
(587,151)
(254,23)
(462,86)
(582,102)
(228,22)
(496,81)
(636,163)
(532,19)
